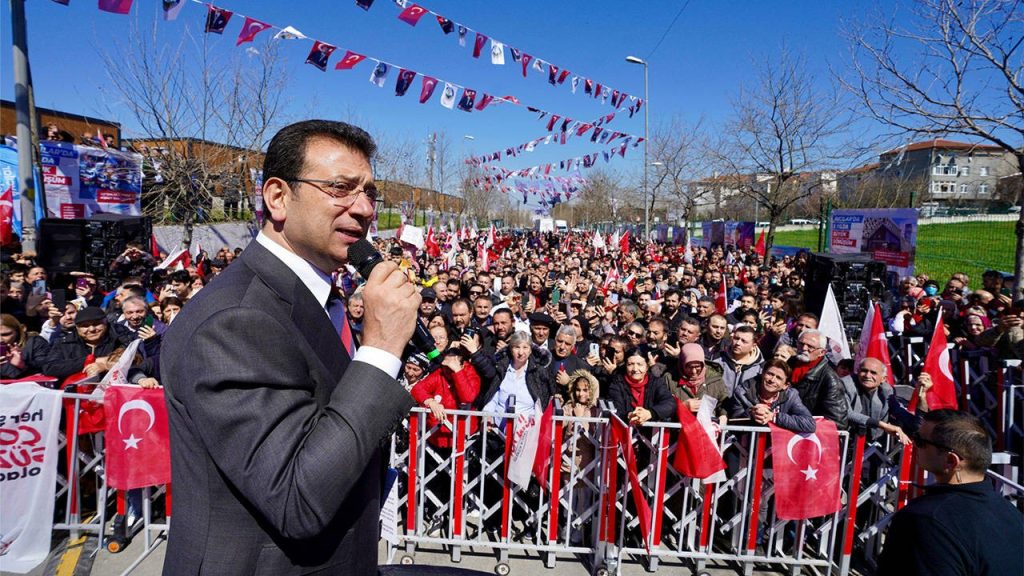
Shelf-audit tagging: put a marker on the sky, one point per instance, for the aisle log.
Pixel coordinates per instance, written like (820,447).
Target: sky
(696,65)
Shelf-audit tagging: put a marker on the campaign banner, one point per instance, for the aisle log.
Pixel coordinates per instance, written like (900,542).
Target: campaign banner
(9,183)
(29,424)
(81,180)
(738,234)
(888,235)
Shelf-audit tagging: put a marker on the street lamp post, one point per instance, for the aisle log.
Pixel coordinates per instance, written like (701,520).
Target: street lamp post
(647,215)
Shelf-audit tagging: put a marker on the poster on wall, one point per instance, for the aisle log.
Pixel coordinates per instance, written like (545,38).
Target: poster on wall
(888,235)
(10,195)
(82,180)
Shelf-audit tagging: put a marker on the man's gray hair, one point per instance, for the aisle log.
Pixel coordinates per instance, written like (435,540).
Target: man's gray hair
(566,330)
(822,339)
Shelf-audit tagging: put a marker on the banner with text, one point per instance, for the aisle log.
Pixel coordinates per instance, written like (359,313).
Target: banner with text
(82,180)
(29,423)
(888,235)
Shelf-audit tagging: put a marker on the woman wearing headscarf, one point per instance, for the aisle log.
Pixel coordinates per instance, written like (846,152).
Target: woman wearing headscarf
(698,378)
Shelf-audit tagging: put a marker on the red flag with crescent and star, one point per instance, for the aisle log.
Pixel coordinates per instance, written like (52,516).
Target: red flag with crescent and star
(807,480)
(350,60)
(412,14)
(137,440)
(250,29)
(942,394)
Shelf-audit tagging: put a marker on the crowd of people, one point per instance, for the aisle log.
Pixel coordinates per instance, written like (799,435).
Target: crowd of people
(646,326)
(545,316)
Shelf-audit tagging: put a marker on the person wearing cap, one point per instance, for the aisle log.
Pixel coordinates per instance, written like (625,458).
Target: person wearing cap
(428,303)
(541,325)
(87,347)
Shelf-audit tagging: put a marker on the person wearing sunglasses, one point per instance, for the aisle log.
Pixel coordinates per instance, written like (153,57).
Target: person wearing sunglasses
(961,525)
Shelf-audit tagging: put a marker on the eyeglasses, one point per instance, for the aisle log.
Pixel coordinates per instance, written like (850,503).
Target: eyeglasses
(344,192)
(921,442)
(635,334)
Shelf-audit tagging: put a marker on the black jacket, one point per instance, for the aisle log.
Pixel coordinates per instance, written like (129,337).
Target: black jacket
(33,353)
(822,392)
(492,368)
(68,352)
(657,398)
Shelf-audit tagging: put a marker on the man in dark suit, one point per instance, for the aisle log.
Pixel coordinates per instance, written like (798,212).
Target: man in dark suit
(276,432)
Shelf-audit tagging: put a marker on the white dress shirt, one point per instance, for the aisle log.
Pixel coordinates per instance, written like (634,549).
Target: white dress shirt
(319,284)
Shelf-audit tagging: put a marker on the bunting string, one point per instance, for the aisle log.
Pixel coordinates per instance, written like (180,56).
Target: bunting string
(411,14)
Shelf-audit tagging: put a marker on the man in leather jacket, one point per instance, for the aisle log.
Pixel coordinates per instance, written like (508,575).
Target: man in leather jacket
(819,386)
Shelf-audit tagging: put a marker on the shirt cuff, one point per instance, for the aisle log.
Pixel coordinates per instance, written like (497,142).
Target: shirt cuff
(382,359)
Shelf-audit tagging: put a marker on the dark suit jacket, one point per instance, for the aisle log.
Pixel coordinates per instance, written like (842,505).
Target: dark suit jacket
(275,434)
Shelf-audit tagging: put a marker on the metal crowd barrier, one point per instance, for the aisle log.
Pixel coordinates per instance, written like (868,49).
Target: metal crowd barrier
(81,475)
(460,497)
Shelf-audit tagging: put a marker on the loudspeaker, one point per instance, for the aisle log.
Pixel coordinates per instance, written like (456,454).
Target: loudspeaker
(856,279)
(62,245)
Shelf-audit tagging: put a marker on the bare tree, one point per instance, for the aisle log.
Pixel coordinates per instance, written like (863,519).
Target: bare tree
(600,199)
(782,126)
(476,198)
(964,75)
(678,151)
(204,119)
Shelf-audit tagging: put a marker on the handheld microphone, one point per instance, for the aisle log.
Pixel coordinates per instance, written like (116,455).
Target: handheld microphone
(364,257)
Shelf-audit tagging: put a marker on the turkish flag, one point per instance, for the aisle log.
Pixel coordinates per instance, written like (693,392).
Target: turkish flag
(412,14)
(942,394)
(696,454)
(624,242)
(433,249)
(250,29)
(760,248)
(350,60)
(545,439)
(7,216)
(721,299)
(479,44)
(623,439)
(427,89)
(138,441)
(806,471)
(115,6)
(876,346)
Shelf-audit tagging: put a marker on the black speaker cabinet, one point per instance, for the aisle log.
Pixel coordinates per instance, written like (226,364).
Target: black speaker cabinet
(62,245)
(855,280)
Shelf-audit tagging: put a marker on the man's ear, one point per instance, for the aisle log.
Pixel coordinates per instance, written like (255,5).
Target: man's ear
(274,192)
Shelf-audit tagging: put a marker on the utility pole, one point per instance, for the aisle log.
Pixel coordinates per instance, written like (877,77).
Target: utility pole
(22,94)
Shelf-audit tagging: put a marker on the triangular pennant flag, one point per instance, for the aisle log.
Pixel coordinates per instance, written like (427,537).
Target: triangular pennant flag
(575,83)
(552,72)
(320,54)
(831,325)
(588,86)
(427,89)
(405,78)
(250,29)
(447,26)
(350,60)
(448,96)
(462,35)
(516,54)
(484,101)
(289,33)
(538,65)
(478,46)
(364,4)
(380,74)
(217,19)
(412,14)
(759,249)
(172,8)
(562,76)
(942,394)
(467,100)
(526,62)
(119,6)
(497,53)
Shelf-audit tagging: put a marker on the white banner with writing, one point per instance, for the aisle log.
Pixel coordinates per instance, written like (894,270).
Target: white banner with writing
(29,422)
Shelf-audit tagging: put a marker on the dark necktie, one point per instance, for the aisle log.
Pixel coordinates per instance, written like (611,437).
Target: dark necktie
(336,310)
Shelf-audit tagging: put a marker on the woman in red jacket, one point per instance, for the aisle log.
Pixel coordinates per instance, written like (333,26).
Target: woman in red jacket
(452,384)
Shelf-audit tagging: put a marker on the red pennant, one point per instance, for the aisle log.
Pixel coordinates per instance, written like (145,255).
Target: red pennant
(427,90)
(721,299)
(624,242)
(545,439)
(760,248)
(250,28)
(154,247)
(942,394)
(478,45)
(562,76)
(137,440)
(526,62)
(350,60)
(696,455)
(115,6)
(806,471)
(7,216)
(484,101)
(621,436)
(412,14)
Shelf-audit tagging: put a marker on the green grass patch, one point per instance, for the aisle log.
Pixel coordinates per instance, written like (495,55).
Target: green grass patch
(943,249)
